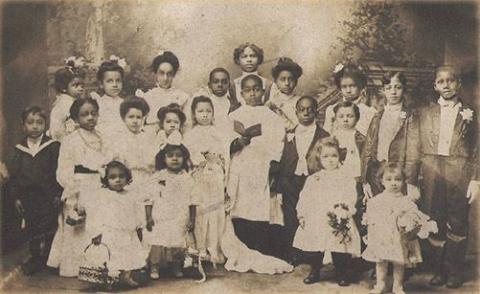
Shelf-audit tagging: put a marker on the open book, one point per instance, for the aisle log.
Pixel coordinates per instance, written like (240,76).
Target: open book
(250,132)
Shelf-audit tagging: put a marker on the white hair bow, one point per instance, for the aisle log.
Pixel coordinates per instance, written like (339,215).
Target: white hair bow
(120,61)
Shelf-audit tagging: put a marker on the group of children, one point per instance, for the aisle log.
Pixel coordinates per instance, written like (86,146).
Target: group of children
(152,175)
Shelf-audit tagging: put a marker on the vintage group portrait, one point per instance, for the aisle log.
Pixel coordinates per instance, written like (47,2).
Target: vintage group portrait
(239,146)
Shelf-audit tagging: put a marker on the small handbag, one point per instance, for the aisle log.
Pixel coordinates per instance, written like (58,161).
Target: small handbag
(96,274)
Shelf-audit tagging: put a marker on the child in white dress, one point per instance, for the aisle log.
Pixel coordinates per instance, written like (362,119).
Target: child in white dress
(137,149)
(170,119)
(351,82)
(218,92)
(82,154)
(165,66)
(209,147)
(69,83)
(113,217)
(172,211)
(110,78)
(327,191)
(282,99)
(386,243)
(249,57)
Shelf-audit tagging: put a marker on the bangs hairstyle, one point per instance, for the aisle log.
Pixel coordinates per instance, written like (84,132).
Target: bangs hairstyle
(33,110)
(450,68)
(200,99)
(388,76)
(134,102)
(160,162)
(313,159)
(239,50)
(353,72)
(65,75)
(218,69)
(391,167)
(251,77)
(167,57)
(287,64)
(78,103)
(119,165)
(109,66)
(171,108)
(347,104)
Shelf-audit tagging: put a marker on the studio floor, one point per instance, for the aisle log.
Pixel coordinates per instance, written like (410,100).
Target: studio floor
(221,281)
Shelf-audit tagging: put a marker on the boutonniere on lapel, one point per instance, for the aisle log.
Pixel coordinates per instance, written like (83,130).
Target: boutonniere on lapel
(403,115)
(467,118)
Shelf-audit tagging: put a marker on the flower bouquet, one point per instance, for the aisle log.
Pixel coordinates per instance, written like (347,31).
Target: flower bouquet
(339,220)
(413,223)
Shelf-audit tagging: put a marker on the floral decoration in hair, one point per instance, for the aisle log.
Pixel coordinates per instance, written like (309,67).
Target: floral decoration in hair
(74,62)
(338,67)
(120,61)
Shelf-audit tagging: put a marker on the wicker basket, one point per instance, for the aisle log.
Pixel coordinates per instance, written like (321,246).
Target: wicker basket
(96,274)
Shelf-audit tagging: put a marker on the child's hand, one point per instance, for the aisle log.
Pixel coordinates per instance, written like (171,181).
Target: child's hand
(413,192)
(150,223)
(97,240)
(190,226)
(19,207)
(301,221)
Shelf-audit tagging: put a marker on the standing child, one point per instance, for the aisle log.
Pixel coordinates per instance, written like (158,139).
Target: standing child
(113,217)
(110,78)
(392,137)
(351,82)
(347,115)
(172,213)
(34,187)
(249,57)
(328,198)
(170,119)
(251,243)
(137,149)
(69,83)
(165,67)
(282,98)
(388,215)
(218,92)
(450,161)
(81,156)
(209,147)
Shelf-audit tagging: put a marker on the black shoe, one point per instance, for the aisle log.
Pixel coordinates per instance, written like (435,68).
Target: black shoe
(30,267)
(313,277)
(438,280)
(454,282)
(343,283)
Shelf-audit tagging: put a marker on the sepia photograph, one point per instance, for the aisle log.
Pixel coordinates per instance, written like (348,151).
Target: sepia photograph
(239,146)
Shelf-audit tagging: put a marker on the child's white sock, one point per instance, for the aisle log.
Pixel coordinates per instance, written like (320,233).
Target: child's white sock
(381,271)
(398,271)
